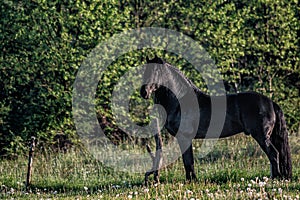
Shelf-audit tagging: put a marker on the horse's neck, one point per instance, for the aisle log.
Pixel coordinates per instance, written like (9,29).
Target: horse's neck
(177,83)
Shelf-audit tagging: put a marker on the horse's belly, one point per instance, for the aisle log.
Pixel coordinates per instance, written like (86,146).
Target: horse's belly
(230,127)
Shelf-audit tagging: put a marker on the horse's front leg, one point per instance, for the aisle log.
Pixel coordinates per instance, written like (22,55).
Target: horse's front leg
(188,160)
(156,159)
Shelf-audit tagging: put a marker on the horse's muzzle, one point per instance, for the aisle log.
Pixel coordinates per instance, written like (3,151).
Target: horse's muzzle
(144,93)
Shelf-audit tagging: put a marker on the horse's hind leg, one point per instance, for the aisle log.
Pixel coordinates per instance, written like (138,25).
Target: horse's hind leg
(273,156)
(267,146)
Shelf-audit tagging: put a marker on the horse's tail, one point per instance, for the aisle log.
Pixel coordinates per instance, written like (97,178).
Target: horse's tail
(279,138)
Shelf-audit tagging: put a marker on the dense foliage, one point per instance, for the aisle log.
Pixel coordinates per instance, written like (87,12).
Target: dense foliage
(43,43)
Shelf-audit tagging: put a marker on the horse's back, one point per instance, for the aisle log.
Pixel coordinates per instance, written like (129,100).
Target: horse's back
(253,103)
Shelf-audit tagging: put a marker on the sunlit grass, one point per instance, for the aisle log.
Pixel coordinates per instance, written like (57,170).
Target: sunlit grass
(235,169)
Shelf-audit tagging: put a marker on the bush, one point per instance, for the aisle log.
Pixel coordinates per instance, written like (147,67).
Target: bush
(255,45)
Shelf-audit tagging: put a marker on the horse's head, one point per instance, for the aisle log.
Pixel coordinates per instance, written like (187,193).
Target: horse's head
(152,78)
(159,74)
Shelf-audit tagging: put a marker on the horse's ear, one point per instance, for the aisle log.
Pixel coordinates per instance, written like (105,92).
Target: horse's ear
(159,60)
(156,59)
(147,59)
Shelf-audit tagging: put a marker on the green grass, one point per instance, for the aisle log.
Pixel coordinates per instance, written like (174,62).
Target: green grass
(235,169)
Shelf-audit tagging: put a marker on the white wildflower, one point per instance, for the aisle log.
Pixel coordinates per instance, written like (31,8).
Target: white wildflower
(261,184)
(189,192)
(250,194)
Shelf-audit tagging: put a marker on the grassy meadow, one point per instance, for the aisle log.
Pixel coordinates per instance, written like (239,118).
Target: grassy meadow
(235,169)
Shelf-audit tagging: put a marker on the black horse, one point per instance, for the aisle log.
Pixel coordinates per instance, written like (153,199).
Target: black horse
(248,112)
